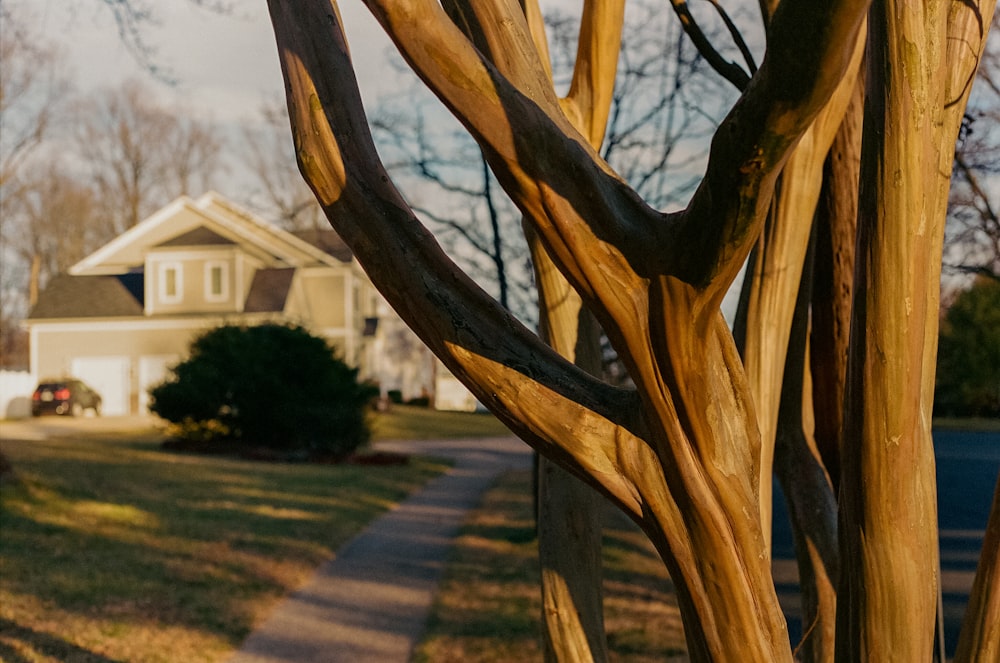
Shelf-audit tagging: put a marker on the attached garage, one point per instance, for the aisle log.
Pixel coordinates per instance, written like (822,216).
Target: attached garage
(109,376)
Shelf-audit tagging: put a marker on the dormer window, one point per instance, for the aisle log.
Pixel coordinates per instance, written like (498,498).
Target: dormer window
(216,281)
(171,282)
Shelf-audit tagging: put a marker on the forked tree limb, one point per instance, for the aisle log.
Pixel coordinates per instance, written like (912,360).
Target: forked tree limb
(810,47)
(529,144)
(463,325)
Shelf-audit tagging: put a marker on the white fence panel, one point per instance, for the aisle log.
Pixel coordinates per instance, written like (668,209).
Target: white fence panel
(15,394)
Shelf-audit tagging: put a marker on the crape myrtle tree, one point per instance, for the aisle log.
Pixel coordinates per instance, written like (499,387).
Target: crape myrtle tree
(657,127)
(687,451)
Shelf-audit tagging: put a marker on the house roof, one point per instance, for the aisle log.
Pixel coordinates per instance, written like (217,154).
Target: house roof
(328,240)
(269,290)
(200,236)
(109,282)
(90,297)
(211,219)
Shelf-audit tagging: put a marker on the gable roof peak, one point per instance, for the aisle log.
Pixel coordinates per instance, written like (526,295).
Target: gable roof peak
(93,262)
(217,214)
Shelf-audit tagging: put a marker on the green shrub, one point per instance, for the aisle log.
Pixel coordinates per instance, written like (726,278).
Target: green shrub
(272,386)
(968,369)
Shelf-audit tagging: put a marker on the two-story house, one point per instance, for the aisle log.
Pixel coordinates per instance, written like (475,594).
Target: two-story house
(123,315)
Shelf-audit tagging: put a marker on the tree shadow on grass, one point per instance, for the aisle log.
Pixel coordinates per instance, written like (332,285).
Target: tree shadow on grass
(42,643)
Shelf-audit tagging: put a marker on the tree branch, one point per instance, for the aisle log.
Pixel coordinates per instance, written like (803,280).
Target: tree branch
(729,70)
(558,408)
(810,46)
(593,81)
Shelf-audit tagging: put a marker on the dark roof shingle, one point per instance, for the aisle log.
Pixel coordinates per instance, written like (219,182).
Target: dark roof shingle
(90,297)
(200,236)
(269,290)
(328,241)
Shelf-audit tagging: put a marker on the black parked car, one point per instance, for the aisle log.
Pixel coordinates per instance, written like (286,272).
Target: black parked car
(69,397)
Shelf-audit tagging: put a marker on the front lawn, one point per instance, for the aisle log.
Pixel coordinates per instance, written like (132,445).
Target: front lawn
(408,422)
(114,550)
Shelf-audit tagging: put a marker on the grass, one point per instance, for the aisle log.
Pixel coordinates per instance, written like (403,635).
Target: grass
(488,609)
(113,550)
(968,424)
(406,422)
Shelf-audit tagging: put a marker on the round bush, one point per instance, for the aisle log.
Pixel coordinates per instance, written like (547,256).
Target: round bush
(271,386)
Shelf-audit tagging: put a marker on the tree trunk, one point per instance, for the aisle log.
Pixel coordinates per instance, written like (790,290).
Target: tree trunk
(812,504)
(569,554)
(833,275)
(569,525)
(34,279)
(979,641)
(777,271)
(887,603)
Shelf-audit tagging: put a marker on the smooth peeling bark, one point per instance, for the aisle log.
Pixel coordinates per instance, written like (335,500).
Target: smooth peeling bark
(731,612)
(681,456)
(708,453)
(833,275)
(888,595)
(777,272)
(812,504)
(979,641)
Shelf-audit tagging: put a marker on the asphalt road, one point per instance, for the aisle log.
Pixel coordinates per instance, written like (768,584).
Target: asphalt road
(968,464)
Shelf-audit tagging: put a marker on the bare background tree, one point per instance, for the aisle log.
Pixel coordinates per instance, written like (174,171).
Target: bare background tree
(139,154)
(973,233)
(279,192)
(32,89)
(77,170)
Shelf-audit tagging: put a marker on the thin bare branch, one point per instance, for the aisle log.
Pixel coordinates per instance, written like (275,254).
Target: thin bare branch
(812,45)
(736,35)
(728,69)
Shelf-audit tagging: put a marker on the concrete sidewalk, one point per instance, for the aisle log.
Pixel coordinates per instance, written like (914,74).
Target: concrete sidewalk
(370,603)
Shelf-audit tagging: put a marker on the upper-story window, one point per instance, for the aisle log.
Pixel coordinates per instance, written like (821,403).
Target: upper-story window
(171,282)
(216,281)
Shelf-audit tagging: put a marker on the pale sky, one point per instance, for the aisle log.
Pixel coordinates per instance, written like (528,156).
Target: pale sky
(225,66)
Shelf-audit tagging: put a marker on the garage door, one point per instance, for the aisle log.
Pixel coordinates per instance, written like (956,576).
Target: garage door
(153,370)
(109,376)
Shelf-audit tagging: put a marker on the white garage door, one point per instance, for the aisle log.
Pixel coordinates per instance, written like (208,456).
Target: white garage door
(109,376)
(153,370)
